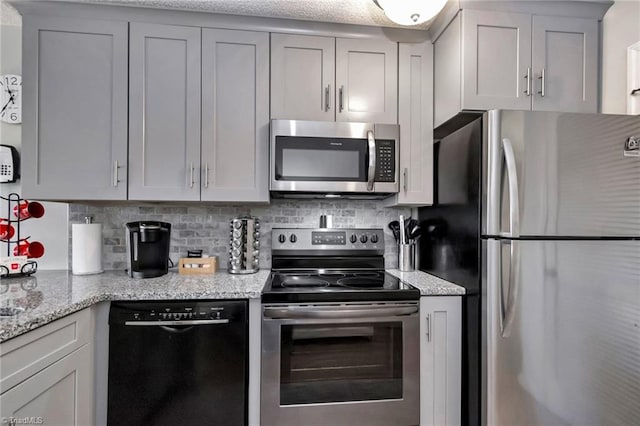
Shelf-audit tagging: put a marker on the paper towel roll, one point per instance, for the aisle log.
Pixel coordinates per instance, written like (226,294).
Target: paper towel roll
(86,246)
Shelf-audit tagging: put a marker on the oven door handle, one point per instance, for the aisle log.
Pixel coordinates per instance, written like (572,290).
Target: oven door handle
(337,313)
(371,140)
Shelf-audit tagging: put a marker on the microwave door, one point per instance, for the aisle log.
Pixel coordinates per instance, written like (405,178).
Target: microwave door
(318,157)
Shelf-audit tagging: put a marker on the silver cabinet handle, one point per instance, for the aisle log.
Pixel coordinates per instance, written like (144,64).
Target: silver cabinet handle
(428,327)
(512,175)
(327,98)
(338,313)
(206,175)
(406,179)
(191,182)
(542,83)
(116,180)
(528,77)
(340,99)
(174,323)
(372,160)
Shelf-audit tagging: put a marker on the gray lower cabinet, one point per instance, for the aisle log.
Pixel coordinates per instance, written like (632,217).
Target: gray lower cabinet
(235,116)
(415,116)
(74,133)
(440,360)
(504,60)
(164,112)
(47,374)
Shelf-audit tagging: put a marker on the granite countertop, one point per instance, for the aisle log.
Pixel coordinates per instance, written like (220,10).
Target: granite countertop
(429,285)
(49,295)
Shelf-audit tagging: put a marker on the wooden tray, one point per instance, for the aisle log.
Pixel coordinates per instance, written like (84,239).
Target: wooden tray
(198,265)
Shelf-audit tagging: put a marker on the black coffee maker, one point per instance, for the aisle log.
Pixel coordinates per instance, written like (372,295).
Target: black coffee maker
(148,248)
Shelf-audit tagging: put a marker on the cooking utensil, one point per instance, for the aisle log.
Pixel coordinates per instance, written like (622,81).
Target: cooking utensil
(415,232)
(395,229)
(403,234)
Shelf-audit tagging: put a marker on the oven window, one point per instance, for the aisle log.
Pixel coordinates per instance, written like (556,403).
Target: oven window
(320,159)
(340,363)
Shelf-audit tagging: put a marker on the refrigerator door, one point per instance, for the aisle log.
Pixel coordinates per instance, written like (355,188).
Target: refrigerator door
(572,353)
(571,175)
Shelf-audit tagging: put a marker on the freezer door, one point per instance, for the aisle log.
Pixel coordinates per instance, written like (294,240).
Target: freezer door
(571,355)
(571,174)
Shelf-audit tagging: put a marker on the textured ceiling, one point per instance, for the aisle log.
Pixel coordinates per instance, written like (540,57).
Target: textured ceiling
(362,12)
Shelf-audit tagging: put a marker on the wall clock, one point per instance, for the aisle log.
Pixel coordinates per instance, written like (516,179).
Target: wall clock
(11,98)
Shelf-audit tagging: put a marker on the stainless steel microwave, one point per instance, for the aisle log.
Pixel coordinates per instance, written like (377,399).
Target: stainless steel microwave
(315,159)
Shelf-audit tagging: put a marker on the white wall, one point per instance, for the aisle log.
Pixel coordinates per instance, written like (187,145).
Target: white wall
(52,229)
(621,29)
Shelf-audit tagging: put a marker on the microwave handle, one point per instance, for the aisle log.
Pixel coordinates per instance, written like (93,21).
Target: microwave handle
(372,160)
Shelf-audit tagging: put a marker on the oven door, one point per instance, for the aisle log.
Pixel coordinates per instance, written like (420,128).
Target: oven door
(340,364)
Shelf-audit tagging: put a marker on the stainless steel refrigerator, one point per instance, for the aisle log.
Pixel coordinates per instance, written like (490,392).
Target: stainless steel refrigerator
(537,214)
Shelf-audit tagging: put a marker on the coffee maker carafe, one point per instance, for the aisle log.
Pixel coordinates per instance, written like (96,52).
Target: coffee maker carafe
(148,248)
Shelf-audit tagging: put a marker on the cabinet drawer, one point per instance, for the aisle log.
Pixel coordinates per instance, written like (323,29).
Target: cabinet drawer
(29,353)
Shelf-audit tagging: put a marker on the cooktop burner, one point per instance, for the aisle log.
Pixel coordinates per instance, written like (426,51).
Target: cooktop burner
(344,285)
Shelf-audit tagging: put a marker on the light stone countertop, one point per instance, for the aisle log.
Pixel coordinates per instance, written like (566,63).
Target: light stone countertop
(50,295)
(429,285)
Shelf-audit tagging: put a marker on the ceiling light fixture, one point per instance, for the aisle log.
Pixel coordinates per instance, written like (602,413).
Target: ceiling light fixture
(410,12)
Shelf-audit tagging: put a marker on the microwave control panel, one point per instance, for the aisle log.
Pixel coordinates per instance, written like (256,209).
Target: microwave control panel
(385,161)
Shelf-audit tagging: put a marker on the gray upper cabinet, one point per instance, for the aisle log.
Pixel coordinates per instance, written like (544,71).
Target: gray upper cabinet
(497,55)
(503,60)
(415,116)
(566,51)
(303,86)
(75,109)
(302,77)
(235,116)
(164,112)
(367,80)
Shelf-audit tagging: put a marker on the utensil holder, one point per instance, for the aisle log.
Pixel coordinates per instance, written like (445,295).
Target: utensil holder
(406,257)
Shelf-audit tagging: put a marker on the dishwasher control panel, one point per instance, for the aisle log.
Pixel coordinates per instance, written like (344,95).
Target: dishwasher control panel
(173,311)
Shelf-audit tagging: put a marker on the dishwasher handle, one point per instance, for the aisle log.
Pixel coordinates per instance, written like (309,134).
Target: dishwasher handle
(177,323)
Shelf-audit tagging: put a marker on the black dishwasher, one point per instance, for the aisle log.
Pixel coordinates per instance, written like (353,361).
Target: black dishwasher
(174,363)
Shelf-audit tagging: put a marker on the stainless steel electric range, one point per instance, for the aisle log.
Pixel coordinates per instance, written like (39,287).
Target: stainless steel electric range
(340,336)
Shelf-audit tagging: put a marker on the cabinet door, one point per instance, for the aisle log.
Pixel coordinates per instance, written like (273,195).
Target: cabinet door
(367,81)
(235,115)
(302,77)
(164,112)
(61,394)
(75,109)
(415,116)
(496,60)
(566,51)
(447,75)
(440,360)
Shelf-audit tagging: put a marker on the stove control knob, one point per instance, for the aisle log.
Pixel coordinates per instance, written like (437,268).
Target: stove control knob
(363,239)
(293,238)
(353,238)
(282,238)
(374,238)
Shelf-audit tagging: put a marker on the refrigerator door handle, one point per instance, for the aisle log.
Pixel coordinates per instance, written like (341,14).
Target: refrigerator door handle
(508,307)
(512,175)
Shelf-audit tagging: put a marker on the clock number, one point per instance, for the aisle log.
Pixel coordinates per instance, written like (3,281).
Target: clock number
(13,116)
(13,82)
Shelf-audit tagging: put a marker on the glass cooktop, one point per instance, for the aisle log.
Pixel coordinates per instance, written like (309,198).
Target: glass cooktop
(336,285)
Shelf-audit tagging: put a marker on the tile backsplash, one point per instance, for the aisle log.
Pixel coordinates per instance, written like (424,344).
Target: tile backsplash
(206,227)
